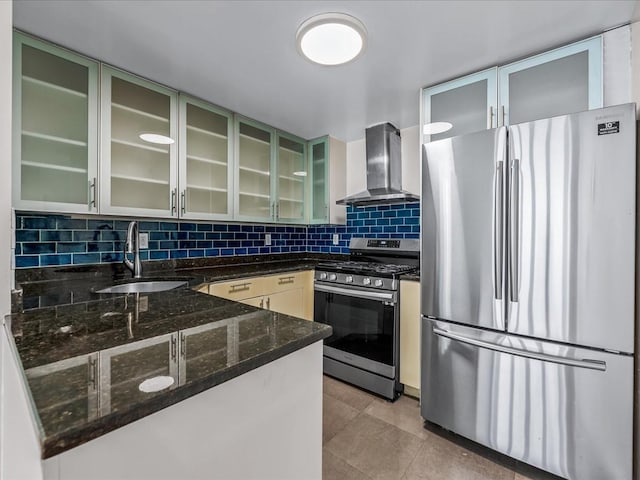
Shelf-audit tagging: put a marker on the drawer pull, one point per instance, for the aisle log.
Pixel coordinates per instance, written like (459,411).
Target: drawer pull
(285,280)
(239,287)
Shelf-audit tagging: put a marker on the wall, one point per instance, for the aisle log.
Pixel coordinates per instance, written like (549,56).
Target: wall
(45,240)
(19,447)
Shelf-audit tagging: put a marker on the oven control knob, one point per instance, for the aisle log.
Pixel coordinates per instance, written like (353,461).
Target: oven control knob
(333,276)
(366,281)
(378,283)
(349,279)
(323,276)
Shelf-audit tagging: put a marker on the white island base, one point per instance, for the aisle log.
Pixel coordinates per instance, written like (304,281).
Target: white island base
(264,424)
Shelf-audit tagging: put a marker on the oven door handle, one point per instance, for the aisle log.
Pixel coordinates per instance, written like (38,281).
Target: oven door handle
(350,292)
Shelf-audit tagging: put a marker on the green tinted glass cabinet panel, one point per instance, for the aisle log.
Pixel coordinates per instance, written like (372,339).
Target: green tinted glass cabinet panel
(205,161)
(55,134)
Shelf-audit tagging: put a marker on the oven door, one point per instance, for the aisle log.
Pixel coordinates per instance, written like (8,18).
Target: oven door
(364,322)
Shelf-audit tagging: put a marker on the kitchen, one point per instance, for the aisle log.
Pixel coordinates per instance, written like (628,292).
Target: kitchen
(354,149)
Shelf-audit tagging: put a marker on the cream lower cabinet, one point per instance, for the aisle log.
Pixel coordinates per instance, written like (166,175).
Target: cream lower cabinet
(410,336)
(290,293)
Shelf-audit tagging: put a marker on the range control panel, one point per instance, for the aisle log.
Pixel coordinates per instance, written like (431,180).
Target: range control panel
(377,243)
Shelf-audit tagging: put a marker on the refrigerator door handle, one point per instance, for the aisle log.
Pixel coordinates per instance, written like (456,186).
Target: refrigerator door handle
(498,233)
(514,230)
(545,357)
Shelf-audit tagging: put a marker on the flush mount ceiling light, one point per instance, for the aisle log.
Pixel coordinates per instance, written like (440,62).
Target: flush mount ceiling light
(436,127)
(331,38)
(156,138)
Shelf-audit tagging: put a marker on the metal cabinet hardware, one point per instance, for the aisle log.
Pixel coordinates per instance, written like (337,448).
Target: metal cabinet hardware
(183,202)
(239,287)
(174,193)
(92,193)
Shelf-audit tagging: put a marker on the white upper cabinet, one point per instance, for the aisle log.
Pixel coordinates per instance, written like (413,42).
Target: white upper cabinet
(253,182)
(137,177)
(291,165)
(55,134)
(561,81)
(327,180)
(565,80)
(467,103)
(205,161)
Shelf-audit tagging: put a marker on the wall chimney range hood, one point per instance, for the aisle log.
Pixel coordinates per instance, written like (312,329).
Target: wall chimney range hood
(384,170)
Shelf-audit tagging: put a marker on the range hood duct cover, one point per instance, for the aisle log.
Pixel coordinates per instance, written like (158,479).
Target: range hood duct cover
(384,169)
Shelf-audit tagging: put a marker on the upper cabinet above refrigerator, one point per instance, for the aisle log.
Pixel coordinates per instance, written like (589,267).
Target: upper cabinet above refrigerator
(564,80)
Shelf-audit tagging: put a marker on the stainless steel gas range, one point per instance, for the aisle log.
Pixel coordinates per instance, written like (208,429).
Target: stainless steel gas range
(359,298)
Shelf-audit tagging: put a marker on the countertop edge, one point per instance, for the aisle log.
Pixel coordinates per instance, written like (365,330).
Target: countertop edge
(58,444)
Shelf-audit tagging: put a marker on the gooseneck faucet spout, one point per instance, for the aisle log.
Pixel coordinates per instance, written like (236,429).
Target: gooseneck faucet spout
(132,245)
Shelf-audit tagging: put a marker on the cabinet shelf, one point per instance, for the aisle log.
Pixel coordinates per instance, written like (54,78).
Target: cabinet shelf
(254,170)
(138,145)
(139,179)
(53,138)
(291,200)
(142,113)
(257,140)
(53,86)
(208,189)
(52,166)
(256,195)
(206,160)
(291,179)
(206,132)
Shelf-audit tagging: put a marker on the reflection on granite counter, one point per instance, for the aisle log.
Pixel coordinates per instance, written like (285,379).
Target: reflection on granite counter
(84,361)
(41,287)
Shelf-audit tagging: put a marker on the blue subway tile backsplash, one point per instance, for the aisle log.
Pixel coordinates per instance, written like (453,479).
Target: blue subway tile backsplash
(44,240)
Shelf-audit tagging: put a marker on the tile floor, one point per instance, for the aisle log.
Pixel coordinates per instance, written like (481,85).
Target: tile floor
(365,437)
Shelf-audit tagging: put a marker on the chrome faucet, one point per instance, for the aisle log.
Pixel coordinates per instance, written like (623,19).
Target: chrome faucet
(132,245)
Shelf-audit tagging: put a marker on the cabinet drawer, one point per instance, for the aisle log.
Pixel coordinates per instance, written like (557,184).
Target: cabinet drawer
(287,281)
(239,289)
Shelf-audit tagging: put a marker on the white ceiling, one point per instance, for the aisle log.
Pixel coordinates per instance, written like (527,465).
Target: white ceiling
(242,55)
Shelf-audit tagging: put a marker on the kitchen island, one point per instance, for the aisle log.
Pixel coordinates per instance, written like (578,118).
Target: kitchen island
(174,384)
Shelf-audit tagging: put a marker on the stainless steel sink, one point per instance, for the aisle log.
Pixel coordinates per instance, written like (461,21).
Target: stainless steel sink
(144,287)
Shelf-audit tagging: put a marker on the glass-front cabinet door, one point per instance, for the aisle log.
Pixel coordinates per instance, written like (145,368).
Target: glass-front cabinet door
(319,186)
(139,176)
(292,178)
(559,82)
(469,104)
(254,185)
(55,137)
(206,161)
(137,371)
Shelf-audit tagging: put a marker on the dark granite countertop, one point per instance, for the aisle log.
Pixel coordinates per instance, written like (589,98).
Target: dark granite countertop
(86,356)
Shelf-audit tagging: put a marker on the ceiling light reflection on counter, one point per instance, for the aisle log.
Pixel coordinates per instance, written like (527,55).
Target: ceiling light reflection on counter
(436,127)
(331,38)
(156,138)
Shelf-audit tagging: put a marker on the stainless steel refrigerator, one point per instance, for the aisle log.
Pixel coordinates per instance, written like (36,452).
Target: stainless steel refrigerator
(528,282)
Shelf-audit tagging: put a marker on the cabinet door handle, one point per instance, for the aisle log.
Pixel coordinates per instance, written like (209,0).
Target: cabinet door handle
(502,115)
(173,201)
(174,347)
(183,202)
(93,373)
(92,193)
(262,303)
(183,345)
(268,303)
(238,287)
(490,118)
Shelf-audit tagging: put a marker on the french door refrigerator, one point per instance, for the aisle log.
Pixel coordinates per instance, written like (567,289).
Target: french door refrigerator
(528,281)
